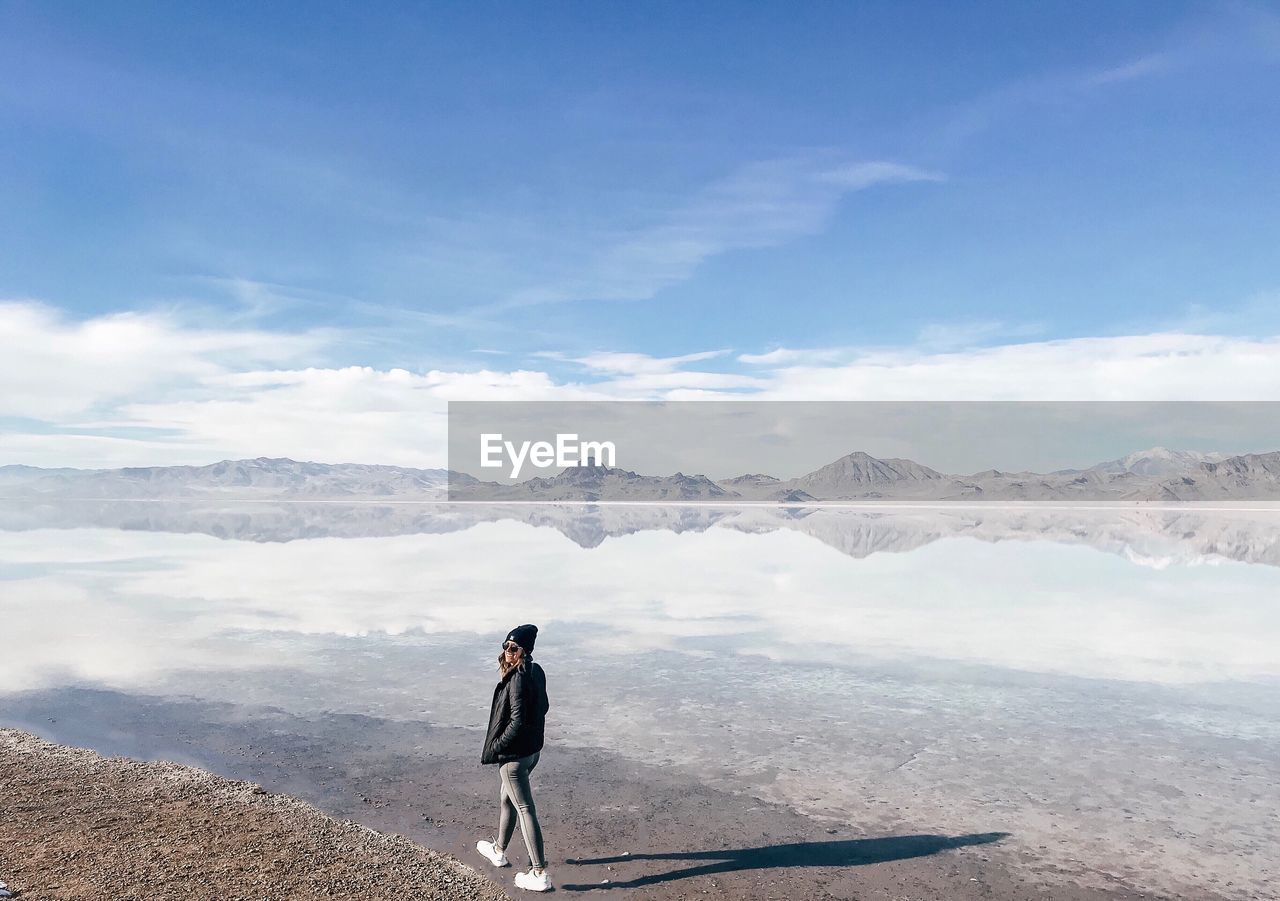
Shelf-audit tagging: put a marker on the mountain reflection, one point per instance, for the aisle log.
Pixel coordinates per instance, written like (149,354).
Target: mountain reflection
(1156,537)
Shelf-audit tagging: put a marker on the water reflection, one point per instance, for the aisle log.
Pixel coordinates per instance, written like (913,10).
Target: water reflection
(1108,672)
(1153,536)
(1022,590)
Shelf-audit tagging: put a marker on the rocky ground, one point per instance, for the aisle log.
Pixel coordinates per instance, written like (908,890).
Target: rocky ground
(74,824)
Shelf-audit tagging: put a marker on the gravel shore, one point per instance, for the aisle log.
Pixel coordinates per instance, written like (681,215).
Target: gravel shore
(75,824)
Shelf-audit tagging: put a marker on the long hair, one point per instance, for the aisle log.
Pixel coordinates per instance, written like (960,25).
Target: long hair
(504,667)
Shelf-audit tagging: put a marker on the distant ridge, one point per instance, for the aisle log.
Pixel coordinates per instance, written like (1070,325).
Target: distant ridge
(596,483)
(861,475)
(260,477)
(1155,461)
(1154,475)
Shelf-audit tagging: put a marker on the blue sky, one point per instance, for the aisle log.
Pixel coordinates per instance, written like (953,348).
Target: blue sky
(573,192)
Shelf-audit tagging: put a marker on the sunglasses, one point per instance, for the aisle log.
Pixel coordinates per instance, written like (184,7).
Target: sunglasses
(511,647)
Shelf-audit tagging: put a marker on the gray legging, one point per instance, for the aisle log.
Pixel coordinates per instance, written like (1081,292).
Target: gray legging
(516,799)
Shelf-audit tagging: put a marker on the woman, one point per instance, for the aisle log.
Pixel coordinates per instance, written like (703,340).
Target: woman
(514,741)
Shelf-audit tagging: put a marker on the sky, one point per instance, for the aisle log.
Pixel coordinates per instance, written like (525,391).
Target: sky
(232,230)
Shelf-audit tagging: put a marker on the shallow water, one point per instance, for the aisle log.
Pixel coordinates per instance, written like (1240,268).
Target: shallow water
(1099,683)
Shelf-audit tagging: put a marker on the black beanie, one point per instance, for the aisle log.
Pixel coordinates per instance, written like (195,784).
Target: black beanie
(524,636)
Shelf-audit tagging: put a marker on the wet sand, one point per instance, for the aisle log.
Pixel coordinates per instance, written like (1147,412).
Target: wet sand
(75,824)
(613,827)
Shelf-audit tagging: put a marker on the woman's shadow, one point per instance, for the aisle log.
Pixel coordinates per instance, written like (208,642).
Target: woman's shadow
(850,853)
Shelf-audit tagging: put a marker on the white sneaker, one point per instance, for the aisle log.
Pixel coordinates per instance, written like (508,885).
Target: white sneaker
(534,882)
(496,857)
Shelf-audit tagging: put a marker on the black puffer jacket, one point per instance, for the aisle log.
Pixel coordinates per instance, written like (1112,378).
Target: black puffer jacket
(518,715)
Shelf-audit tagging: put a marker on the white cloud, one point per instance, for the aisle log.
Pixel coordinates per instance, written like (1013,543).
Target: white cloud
(957,335)
(763,204)
(793,355)
(141,389)
(641,364)
(858,176)
(352,414)
(1152,64)
(52,367)
(1166,366)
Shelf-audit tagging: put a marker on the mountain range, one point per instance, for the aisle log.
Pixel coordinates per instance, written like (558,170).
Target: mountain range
(263,477)
(1154,475)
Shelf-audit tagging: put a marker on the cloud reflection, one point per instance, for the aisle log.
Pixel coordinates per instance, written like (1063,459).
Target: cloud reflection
(1112,595)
